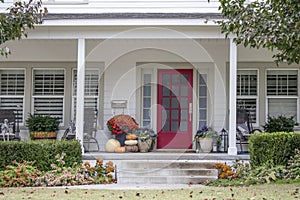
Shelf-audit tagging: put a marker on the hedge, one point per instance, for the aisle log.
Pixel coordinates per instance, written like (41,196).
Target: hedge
(42,152)
(273,149)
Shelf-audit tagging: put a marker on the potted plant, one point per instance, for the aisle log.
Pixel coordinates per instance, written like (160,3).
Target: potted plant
(42,126)
(120,125)
(146,139)
(205,138)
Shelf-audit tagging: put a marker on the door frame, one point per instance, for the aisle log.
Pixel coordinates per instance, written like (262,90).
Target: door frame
(198,68)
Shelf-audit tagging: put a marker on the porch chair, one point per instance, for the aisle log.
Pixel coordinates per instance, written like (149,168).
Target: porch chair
(7,124)
(90,128)
(244,127)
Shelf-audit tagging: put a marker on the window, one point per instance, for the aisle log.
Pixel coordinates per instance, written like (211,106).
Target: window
(146,95)
(91,91)
(282,92)
(247,92)
(48,92)
(12,86)
(202,97)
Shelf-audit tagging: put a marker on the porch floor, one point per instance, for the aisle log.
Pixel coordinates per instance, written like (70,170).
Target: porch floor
(161,155)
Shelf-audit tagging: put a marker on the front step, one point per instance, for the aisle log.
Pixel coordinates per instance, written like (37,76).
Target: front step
(165,172)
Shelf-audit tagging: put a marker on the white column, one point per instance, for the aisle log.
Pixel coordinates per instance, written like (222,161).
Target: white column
(232,150)
(80,90)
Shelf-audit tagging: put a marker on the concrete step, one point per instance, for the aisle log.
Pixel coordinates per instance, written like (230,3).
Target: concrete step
(160,164)
(165,172)
(163,179)
(168,172)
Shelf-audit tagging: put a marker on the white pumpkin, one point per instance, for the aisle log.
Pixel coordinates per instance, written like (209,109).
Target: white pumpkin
(131,142)
(111,145)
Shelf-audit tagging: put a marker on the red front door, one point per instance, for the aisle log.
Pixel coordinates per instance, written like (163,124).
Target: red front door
(174,116)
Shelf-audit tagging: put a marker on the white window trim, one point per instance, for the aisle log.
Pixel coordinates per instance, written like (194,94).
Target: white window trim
(18,96)
(256,124)
(47,96)
(283,97)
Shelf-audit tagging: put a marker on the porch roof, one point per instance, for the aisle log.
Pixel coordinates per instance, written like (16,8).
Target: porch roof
(57,16)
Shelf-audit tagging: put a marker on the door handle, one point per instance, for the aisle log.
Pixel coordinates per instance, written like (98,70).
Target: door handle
(190,111)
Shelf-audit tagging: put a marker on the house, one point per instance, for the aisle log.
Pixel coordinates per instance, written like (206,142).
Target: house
(158,61)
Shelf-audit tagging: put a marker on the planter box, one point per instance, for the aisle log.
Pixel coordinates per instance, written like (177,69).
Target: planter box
(44,135)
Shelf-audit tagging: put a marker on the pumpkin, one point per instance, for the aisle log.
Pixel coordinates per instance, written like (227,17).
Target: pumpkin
(120,149)
(111,145)
(133,148)
(131,142)
(131,136)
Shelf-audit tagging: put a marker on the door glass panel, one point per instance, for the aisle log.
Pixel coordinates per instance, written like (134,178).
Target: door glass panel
(166,91)
(175,90)
(183,126)
(166,102)
(166,126)
(184,79)
(165,114)
(202,114)
(175,79)
(184,115)
(147,91)
(166,79)
(174,127)
(146,113)
(175,103)
(202,91)
(202,103)
(184,102)
(147,102)
(175,114)
(184,90)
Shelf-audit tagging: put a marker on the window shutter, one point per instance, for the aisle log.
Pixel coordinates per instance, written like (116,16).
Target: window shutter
(48,91)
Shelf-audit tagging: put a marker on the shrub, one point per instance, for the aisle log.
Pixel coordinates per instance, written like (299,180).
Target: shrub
(42,153)
(280,124)
(272,149)
(19,175)
(61,175)
(26,175)
(293,167)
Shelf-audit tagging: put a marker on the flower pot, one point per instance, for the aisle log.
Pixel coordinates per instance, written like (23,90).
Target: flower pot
(144,145)
(206,144)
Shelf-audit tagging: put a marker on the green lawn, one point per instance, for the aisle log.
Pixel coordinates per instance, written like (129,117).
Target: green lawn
(263,192)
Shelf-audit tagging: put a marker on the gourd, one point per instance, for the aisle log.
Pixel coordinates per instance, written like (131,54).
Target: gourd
(131,137)
(120,149)
(134,148)
(131,142)
(111,145)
